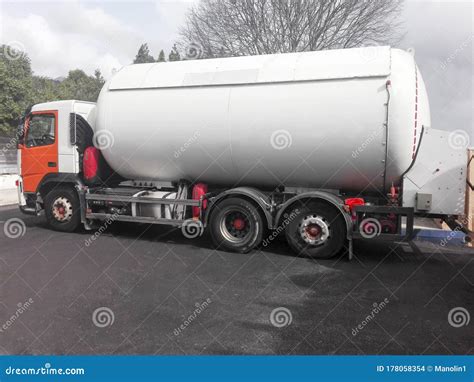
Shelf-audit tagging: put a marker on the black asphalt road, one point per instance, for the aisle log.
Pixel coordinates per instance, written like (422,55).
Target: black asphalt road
(155,292)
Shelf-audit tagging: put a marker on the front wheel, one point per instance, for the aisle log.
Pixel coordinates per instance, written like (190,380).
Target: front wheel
(236,225)
(62,209)
(316,230)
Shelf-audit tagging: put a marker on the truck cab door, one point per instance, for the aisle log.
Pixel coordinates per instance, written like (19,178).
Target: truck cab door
(39,148)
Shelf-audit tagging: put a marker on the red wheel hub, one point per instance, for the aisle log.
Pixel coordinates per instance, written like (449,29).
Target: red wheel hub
(239,224)
(60,210)
(313,230)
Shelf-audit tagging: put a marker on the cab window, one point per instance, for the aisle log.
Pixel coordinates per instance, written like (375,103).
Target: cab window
(41,130)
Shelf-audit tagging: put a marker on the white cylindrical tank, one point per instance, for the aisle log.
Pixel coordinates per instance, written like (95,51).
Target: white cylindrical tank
(340,119)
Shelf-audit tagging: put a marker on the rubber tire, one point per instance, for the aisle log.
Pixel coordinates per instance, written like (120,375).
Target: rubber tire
(71,195)
(218,214)
(337,227)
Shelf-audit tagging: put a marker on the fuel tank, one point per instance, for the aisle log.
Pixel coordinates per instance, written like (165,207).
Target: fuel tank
(339,119)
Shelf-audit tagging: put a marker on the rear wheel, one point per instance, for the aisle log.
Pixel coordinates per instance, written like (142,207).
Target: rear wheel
(62,209)
(316,230)
(236,225)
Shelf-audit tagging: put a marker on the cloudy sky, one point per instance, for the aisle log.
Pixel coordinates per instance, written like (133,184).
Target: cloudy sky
(64,35)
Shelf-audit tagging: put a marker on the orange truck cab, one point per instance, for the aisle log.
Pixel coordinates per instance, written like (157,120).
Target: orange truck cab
(49,160)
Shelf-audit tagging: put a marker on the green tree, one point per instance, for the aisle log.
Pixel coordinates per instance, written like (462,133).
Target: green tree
(45,89)
(19,88)
(174,54)
(161,56)
(16,87)
(143,56)
(78,85)
(99,83)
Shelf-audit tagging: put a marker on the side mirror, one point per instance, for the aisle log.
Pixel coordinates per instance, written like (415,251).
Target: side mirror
(21,130)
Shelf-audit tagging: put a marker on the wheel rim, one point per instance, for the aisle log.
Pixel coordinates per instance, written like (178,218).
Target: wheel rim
(236,226)
(314,230)
(62,209)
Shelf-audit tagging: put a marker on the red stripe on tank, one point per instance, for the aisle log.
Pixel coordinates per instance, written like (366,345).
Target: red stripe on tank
(416,113)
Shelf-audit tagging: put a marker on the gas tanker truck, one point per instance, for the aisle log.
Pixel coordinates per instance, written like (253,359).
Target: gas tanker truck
(326,146)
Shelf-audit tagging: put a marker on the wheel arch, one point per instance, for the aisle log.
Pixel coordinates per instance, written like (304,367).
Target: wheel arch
(253,195)
(54,180)
(326,197)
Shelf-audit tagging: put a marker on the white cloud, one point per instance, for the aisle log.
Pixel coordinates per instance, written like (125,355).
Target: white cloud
(71,35)
(171,14)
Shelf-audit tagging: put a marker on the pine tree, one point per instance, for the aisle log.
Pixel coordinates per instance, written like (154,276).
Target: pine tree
(161,56)
(174,54)
(143,56)
(99,82)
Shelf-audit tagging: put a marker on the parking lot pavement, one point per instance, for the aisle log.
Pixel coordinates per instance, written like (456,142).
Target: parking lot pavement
(138,289)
